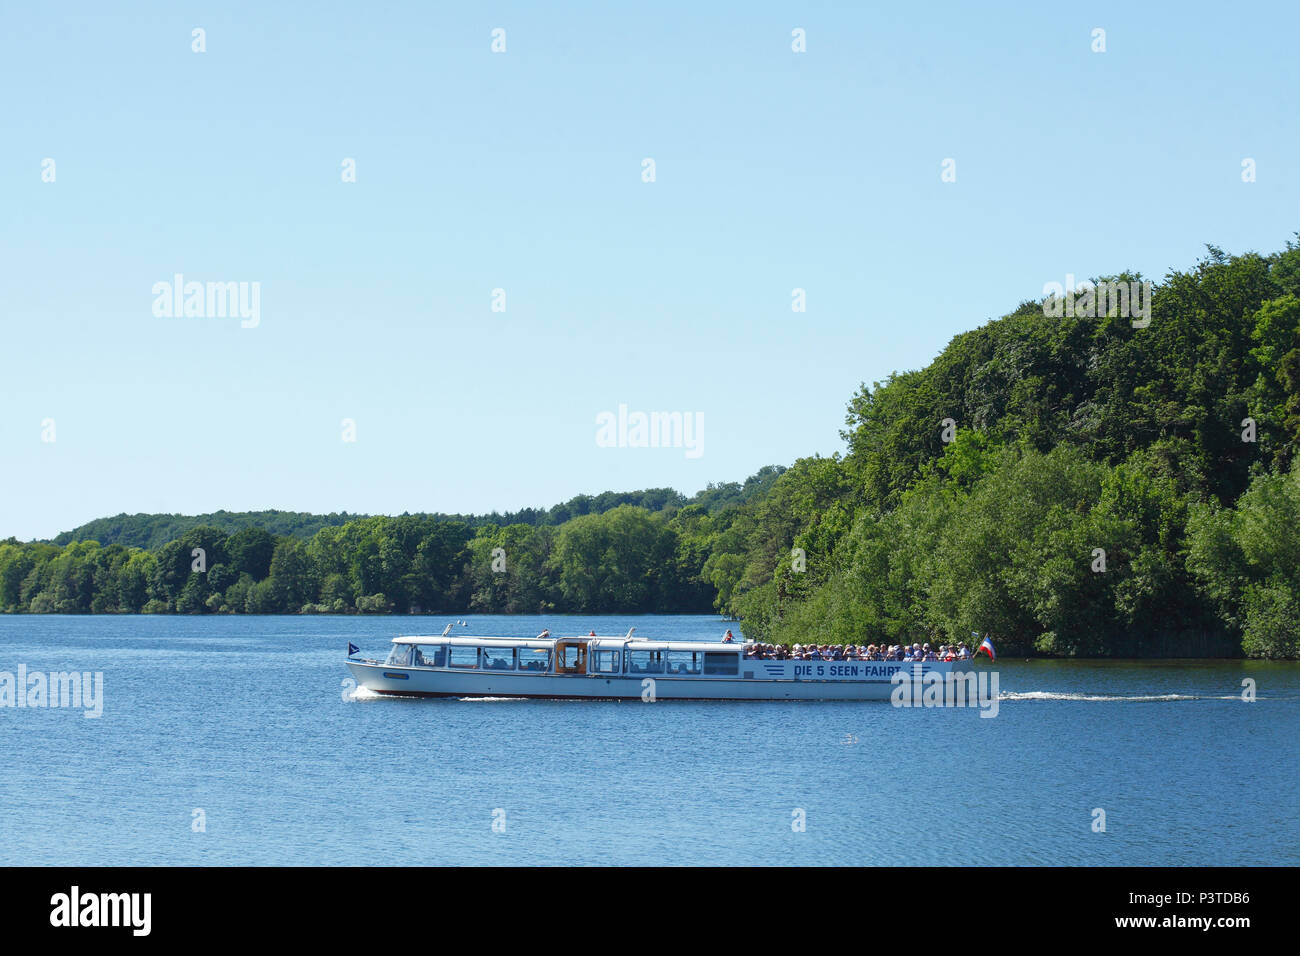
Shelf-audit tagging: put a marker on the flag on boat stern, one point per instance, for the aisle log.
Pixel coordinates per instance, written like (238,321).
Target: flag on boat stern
(987,645)
(352,648)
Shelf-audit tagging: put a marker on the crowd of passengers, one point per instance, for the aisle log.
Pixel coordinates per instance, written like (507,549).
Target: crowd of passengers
(857,652)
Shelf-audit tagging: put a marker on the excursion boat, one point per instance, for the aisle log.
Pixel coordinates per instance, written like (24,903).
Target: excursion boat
(620,668)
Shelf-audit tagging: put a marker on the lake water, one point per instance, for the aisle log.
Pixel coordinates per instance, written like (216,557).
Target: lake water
(245,719)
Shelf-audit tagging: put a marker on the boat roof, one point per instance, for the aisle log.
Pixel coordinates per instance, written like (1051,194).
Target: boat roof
(637,644)
(476,641)
(641,644)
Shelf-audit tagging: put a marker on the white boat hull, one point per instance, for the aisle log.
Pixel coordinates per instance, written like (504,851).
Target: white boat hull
(771,680)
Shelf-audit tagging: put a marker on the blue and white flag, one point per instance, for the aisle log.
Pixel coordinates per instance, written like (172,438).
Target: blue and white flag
(352,648)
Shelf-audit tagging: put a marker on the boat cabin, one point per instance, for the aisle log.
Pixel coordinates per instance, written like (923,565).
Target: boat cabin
(573,656)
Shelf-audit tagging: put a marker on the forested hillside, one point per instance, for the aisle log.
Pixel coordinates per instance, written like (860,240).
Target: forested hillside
(616,551)
(153,530)
(1109,490)
(1071,485)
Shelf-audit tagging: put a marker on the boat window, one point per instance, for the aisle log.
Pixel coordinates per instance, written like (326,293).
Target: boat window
(400,655)
(607,662)
(431,655)
(721,663)
(684,662)
(499,658)
(464,657)
(534,658)
(645,662)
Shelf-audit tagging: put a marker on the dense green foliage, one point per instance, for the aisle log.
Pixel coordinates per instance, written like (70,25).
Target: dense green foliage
(1072,434)
(152,531)
(628,551)
(1070,485)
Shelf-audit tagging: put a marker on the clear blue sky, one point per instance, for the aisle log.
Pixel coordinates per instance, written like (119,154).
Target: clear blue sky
(522,171)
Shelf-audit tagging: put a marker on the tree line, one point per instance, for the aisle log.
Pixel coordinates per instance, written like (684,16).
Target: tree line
(1071,484)
(626,551)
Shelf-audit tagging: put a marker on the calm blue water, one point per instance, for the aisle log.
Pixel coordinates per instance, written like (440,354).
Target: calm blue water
(245,718)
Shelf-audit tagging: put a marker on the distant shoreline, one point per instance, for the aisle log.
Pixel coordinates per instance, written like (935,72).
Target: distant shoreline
(544,617)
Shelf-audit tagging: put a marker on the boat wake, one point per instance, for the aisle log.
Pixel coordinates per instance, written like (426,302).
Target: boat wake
(489,699)
(1135,698)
